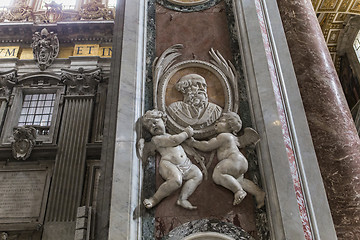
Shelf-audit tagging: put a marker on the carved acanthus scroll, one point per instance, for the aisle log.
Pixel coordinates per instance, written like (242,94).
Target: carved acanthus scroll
(7,81)
(81,82)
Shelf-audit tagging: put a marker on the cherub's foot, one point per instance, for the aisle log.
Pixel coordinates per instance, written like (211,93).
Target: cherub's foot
(185,204)
(239,196)
(260,199)
(149,202)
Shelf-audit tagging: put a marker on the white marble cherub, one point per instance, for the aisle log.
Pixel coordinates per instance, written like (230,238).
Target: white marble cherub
(232,166)
(174,167)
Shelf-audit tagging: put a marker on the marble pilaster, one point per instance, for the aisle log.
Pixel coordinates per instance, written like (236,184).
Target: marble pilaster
(333,132)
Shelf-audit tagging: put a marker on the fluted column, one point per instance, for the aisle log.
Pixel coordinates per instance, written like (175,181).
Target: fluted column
(333,132)
(67,186)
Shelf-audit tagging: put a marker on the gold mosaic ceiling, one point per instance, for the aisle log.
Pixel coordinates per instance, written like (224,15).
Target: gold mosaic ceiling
(332,15)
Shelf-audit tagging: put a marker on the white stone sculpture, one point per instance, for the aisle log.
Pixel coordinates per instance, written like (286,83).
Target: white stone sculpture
(195,109)
(201,113)
(232,166)
(174,167)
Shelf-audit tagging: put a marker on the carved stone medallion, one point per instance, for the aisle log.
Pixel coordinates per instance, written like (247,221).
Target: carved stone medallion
(45,47)
(194,92)
(188,2)
(24,141)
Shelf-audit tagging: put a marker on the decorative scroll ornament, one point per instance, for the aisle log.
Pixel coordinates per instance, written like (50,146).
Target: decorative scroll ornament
(95,10)
(24,141)
(7,81)
(20,12)
(81,82)
(54,12)
(45,47)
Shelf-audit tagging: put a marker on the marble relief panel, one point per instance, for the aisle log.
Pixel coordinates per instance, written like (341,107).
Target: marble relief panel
(198,32)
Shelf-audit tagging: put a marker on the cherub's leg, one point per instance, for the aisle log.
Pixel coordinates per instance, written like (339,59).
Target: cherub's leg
(173,182)
(223,175)
(193,179)
(253,189)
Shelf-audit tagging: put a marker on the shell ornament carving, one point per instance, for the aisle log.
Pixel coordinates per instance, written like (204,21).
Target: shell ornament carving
(24,141)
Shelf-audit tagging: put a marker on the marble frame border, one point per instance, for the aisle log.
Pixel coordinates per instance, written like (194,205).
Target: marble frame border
(286,221)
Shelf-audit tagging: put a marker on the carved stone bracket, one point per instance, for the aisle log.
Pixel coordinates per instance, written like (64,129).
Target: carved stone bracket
(95,10)
(81,82)
(45,47)
(24,141)
(7,81)
(20,12)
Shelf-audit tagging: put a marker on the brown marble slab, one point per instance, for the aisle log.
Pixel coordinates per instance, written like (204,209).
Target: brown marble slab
(333,132)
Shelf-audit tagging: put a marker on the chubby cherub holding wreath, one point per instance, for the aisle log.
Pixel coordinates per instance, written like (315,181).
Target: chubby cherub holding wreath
(232,166)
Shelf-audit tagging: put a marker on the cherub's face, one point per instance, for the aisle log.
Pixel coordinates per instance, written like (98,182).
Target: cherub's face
(222,126)
(156,126)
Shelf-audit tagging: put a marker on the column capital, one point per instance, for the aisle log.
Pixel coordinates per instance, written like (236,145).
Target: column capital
(81,81)
(7,81)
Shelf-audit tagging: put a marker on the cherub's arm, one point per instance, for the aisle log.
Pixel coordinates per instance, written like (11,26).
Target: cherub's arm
(172,140)
(206,146)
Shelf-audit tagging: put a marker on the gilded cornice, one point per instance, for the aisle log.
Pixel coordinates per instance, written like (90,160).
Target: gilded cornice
(67,32)
(332,16)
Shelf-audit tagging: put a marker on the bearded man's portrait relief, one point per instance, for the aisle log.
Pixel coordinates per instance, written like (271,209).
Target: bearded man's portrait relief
(195,109)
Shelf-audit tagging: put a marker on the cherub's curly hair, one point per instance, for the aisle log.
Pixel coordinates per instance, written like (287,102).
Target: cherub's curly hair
(233,120)
(153,114)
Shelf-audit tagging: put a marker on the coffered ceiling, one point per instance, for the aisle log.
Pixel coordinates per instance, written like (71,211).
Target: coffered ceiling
(332,16)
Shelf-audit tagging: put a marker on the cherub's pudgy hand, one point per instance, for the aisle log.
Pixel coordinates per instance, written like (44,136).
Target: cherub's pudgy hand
(190,141)
(190,131)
